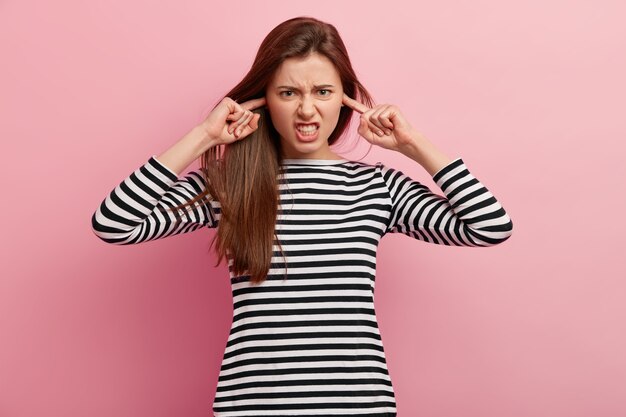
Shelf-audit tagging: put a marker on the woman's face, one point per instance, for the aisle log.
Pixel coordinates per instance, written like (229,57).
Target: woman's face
(305,91)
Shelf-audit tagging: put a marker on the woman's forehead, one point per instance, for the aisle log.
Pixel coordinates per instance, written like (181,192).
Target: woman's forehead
(314,70)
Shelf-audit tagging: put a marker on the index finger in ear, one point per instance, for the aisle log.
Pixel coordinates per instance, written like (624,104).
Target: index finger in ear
(354,105)
(254,103)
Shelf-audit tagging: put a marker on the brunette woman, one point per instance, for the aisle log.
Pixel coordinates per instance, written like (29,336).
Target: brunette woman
(299,225)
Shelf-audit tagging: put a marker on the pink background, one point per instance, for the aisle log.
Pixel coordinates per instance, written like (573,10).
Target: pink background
(530,94)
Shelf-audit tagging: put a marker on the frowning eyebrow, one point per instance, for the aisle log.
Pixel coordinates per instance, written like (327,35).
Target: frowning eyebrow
(297,89)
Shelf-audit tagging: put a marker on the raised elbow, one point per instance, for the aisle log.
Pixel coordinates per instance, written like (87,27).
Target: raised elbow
(108,233)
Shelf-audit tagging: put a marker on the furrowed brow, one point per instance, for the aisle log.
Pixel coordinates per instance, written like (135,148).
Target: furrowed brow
(314,87)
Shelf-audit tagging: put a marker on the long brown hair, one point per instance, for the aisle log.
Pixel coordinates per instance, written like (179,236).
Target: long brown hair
(243,176)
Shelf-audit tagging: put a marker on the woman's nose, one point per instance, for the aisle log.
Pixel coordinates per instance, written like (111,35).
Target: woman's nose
(306,107)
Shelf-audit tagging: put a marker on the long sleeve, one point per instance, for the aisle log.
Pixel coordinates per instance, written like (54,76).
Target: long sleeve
(139,209)
(468,215)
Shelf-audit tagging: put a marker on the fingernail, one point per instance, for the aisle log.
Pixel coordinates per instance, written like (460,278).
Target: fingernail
(380,133)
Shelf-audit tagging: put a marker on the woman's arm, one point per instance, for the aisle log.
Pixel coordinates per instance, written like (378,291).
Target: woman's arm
(468,215)
(140,207)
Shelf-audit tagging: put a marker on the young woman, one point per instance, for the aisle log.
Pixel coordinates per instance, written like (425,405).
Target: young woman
(299,225)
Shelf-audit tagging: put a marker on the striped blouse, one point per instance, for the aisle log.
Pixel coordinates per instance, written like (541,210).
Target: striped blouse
(310,345)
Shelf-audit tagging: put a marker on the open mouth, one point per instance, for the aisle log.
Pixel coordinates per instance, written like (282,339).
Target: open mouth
(307,129)
(307,132)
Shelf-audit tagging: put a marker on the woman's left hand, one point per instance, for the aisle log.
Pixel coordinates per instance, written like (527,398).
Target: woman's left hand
(397,133)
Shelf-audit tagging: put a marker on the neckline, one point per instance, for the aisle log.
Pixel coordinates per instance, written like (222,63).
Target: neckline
(309,161)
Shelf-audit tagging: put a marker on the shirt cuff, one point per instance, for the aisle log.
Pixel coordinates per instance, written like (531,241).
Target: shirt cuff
(164,166)
(446,168)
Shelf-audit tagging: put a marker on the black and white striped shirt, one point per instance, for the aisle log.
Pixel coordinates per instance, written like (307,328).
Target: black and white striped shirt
(310,345)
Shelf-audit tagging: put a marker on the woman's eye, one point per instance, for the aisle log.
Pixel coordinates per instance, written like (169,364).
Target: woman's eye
(288,93)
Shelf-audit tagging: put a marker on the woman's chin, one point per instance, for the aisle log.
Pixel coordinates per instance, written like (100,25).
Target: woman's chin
(303,147)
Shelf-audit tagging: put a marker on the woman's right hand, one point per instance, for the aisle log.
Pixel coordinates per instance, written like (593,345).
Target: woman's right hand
(230,121)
